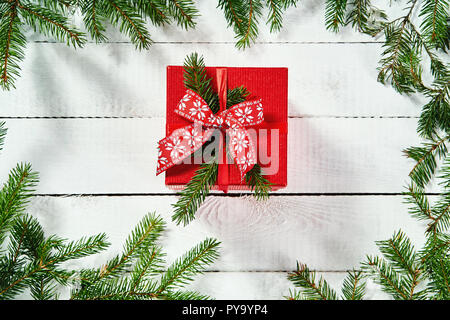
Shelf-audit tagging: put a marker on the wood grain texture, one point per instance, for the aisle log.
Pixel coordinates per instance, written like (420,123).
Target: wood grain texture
(114,80)
(327,233)
(267,285)
(325,155)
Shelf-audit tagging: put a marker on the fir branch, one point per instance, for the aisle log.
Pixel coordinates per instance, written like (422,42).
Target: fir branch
(391,282)
(156,11)
(354,287)
(289,3)
(93,19)
(15,195)
(142,282)
(82,248)
(150,263)
(435,116)
(275,17)
(234,13)
(335,14)
(426,156)
(184,12)
(243,16)
(438,69)
(78,249)
(52,18)
(420,206)
(252,11)
(435,256)
(440,278)
(305,280)
(400,63)
(295,295)
(12,44)
(435,14)
(441,215)
(437,245)
(400,253)
(51,23)
(257,183)
(143,237)
(193,262)
(276,10)
(361,16)
(236,96)
(12,275)
(121,12)
(42,287)
(195,193)
(196,79)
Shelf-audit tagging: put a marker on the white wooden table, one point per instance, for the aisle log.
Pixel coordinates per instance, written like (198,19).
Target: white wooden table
(88,120)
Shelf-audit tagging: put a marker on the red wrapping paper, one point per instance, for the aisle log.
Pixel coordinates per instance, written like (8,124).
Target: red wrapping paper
(270,84)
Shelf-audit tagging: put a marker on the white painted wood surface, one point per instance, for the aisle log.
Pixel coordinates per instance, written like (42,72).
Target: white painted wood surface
(88,121)
(326,155)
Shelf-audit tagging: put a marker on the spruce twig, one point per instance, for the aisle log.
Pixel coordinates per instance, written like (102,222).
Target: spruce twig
(134,274)
(335,14)
(257,183)
(196,79)
(195,193)
(243,16)
(52,18)
(311,290)
(354,287)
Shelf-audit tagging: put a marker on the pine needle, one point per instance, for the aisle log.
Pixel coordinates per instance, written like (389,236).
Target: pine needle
(305,280)
(257,183)
(195,193)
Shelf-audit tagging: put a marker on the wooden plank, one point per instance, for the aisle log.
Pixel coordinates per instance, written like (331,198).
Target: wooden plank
(76,156)
(328,233)
(114,80)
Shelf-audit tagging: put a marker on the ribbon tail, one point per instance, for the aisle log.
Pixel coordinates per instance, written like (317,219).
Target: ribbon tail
(180,144)
(242,150)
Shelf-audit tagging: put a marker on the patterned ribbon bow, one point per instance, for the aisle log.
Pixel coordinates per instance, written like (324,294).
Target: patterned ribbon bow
(185,141)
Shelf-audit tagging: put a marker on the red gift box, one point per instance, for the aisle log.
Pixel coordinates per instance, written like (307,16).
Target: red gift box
(268,84)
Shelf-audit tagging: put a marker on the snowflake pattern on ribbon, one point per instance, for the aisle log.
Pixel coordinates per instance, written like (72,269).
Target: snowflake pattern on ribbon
(182,142)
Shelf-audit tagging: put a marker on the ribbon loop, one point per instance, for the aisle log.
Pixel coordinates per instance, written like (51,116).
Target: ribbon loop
(182,142)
